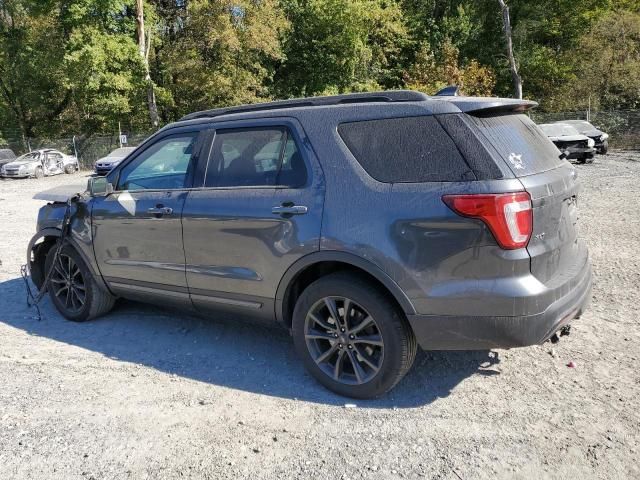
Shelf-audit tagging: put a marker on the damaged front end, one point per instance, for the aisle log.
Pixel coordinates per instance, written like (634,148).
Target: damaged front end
(50,226)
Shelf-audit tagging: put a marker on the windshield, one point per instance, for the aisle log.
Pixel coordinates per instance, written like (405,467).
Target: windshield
(121,152)
(558,129)
(29,156)
(523,146)
(581,125)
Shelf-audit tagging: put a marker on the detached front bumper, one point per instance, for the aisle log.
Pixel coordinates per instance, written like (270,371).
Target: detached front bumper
(578,153)
(481,333)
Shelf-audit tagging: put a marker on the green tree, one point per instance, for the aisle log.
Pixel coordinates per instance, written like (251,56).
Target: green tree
(68,65)
(609,71)
(221,54)
(341,45)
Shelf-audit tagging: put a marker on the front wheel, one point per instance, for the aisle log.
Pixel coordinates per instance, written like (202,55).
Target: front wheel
(72,288)
(39,173)
(351,337)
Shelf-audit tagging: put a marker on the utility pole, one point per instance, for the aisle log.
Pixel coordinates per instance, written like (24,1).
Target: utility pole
(515,76)
(144,45)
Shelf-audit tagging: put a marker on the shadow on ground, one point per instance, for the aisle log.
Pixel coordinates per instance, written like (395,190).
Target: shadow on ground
(230,353)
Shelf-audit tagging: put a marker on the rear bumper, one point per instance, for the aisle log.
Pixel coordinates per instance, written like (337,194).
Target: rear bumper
(485,332)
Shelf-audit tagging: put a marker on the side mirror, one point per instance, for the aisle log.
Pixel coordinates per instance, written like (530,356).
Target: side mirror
(99,187)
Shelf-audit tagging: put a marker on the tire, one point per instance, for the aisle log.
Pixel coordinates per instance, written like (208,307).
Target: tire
(316,336)
(79,308)
(39,173)
(69,169)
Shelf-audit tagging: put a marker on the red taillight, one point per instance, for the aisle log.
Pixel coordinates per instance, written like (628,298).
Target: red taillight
(508,215)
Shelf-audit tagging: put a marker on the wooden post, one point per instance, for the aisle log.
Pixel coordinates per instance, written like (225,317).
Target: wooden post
(143,48)
(515,77)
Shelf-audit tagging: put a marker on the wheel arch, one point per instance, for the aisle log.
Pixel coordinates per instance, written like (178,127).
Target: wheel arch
(35,255)
(313,266)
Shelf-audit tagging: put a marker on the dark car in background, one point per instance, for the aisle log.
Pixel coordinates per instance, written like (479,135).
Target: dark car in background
(366,224)
(570,142)
(600,138)
(105,164)
(6,156)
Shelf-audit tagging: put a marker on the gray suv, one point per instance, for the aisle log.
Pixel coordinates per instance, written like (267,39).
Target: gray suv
(366,224)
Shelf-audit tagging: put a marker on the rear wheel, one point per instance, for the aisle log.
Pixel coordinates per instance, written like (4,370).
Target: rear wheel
(351,337)
(72,288)
(69,169)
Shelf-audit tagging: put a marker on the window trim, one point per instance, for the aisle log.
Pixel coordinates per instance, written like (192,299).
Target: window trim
(293,129)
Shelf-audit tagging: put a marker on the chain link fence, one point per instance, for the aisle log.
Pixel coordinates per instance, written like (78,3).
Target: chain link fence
(623,126)
(88,149)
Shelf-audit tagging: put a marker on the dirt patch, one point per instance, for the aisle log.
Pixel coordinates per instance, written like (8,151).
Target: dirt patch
(147,393)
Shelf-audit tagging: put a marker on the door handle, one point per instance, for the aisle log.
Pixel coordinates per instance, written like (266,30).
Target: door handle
(159,210)
(287,209)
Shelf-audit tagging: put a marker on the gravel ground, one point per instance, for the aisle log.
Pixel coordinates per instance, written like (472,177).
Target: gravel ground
(146,393)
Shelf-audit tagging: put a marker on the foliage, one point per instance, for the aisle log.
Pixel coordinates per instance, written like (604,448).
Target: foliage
(609,74)
(428,74)
(220,55)
(71,67)
(340,45)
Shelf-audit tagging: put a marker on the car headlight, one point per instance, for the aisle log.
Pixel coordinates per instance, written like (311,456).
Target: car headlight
(604,136)
(22,168)
(591,142)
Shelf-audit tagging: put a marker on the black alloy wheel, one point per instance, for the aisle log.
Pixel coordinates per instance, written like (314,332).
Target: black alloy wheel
(344,340)
(68,284)
(351,335)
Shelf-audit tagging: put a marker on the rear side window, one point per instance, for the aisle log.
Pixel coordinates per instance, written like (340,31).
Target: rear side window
(405,150)
(255,157)
(520,142)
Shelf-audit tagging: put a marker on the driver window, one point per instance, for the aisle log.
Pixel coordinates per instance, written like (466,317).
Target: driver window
(163,166)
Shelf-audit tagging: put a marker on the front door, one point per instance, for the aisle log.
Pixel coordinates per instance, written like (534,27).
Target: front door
(137,229)
(259,210)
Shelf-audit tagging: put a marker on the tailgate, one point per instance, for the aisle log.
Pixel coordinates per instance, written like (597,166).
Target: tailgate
(557,254)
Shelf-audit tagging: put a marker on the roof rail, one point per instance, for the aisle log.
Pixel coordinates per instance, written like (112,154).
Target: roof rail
(368,97)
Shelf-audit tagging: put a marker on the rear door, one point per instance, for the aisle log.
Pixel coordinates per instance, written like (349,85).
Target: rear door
(258,210)
(557,254)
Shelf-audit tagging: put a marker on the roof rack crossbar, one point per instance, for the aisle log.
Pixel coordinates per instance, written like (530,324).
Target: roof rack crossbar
(350,98)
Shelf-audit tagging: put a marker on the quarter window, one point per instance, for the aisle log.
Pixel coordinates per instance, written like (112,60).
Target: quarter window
(163,166)
(405,150)
(255,157)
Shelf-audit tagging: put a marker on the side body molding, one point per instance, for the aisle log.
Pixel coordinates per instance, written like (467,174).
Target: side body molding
(343,257)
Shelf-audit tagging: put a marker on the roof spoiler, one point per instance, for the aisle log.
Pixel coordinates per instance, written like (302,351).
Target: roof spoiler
(450,91)
(490,105)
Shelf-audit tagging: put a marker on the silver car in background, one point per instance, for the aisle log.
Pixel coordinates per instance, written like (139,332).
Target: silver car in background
(40,163)
(105,164)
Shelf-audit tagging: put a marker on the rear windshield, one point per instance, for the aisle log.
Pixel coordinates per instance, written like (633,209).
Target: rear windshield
(405,150)
(519,141)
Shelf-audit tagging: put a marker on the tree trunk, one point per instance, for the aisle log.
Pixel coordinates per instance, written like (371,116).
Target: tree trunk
(515,76)
(143,49)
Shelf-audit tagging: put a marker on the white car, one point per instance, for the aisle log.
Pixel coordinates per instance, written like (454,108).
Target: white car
(105,164)
(40,163)
(570,142)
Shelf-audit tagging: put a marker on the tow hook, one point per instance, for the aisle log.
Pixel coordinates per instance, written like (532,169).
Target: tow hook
(564,331)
